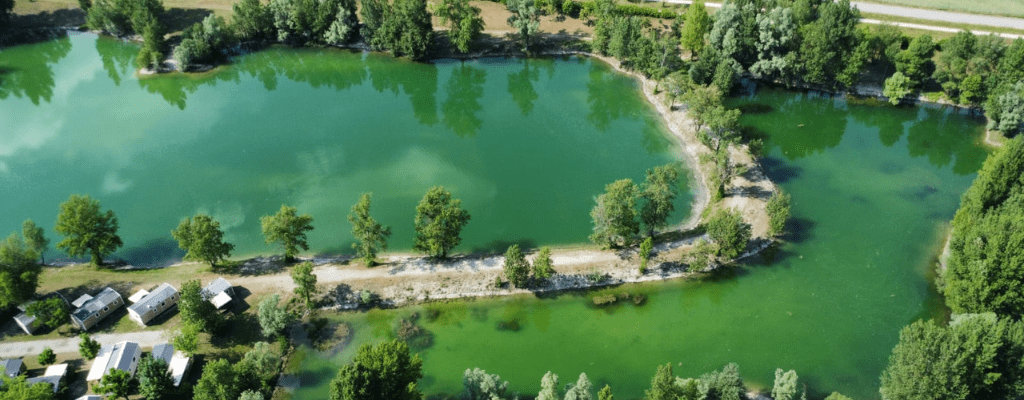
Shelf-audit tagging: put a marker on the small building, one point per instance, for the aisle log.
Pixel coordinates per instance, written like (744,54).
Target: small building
(27,323)
(81,300)
(12,367)
(177,363)
(154,303)
(95,309)
(219,292)
(123,356)
(138,296)
(90,397)
(54,375)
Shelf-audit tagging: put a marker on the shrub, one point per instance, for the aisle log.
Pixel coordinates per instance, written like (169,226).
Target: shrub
(728,229)
(46,357)
(203,43)
(778,212)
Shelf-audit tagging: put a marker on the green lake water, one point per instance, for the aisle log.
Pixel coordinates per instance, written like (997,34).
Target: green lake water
(872,187)
(526,145)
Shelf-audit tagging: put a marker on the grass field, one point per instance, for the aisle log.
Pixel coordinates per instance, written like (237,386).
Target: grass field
(1010,8)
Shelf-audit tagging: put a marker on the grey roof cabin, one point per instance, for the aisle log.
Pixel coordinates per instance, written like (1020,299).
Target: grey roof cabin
(96,308)
(219,292)
(154,303)
(124,356)
(12,367)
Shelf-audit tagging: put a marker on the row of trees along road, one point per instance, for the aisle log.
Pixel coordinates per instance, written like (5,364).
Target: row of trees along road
(389,371)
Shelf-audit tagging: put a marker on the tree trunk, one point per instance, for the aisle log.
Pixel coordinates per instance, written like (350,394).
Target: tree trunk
(97,259)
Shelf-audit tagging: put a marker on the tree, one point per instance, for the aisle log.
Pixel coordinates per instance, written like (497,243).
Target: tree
(387,371)
(195,309)
(605,393)
(410,28)
(202,239)
(218,382)
(373,14)
(645,253)
(19,389)
(463,20)
(479,385)
(615,215)
(155,379)
(51,312)
(439,222)
(305,282)
(204,42)
(273,316)
(343,28)
(785,387)
(977,356)
(86,230)
(659,193)
(548,387)
(116,383)
(776,47)
(724,384)
(151,55)
(46,357)
(697,26)
(729,231)
(734,34)
(251,395)
(187,340)
(370,234)
(663,385)
(582,390)
(252,21)
(837,396)
(517,269)
(916,61)
(542,265)
(258,368)
(778,212)
(35,238)
(5,13)
(898,87)
(19,271)
(88,347)
(525,19)
(1006,113)
(287,229)
(829,43)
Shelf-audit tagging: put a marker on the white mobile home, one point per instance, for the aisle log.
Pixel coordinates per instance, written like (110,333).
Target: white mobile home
(94,309)
(124,356)
(154,303)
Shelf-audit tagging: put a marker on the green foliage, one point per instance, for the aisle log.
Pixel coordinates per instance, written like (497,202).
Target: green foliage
(35,238)
(155,379)
(251,395)
(88,347)
(984,268)
(19,389)
(116,383)
(837,396)
(663,385)
(543,268)
(778,212)
(202,239)
(777,45)
(86,230)
(371,236)
(46,357)
(463,20)
(258,368)
(439,222)
(916,61)
(517,269)
(605,393)
(301,22)
(1006,111)
(196,310)
(51,312)
(372,13)
(897,88)
(548,387)
(645,253)
(581,390)
(729,231)
(288,229)
(697,26)
(615,215)
(187,340)
(525,19)
(19,271)
(305,282)
(343,29)
(976,357)
(723,385)
(700,256)
(387,371)
(828,44)
(641,11)
(479,385)
(734,34)
(123,17)
(218,382)
(786,386)
(273,315)
(408,29)
(151,55)
(204,43)
(253,21)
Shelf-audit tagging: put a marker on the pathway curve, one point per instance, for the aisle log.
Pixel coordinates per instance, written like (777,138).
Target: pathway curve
(70,345)
(917,13)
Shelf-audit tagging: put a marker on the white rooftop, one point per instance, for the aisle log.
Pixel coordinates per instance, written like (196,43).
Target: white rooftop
(113,356)
(138,295)
(221,299)
(81,300)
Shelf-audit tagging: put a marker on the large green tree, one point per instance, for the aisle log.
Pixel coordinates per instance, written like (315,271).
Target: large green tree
(116,383)
(52,312)
(479,385)
(305,282)
(525,19)
(1006,111)
(87,346)
(729,231)
(19,271)
(195,309)
(411,28)
(258,368)
(978,356)
(202,239)
(252,21)
(155,381)
(548,387)
(659,193)
(35,238)
(696,27)
(288,229)
(463,20)
(786,386)
(273,315)
(87,230)
(386,371)
(218,382)
(615,215)
(439,222)
(371,236)
(19,389)
(916,61)
(828,46)
(517,269)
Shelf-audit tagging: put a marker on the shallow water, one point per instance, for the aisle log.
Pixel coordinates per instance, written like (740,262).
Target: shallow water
(872,186)
(526,144)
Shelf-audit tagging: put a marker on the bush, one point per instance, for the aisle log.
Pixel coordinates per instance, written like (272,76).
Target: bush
(253,22)
(730,232)
(778,212)
(204,43)
(46,357)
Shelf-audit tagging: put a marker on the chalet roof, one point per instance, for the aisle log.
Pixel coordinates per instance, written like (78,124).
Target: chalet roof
(164,352)
(53,375)
(81,300)
(118,356)
(154,298)
(216,287)
(12,367)
(105,298)
(138,295)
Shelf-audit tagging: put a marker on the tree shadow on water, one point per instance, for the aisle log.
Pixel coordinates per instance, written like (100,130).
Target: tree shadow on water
(780,171)
(500,246)
(799,230)
(155,253)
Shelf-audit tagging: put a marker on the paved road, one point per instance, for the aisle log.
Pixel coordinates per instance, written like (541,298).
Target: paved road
(939,28)
(918,13)
(70,345)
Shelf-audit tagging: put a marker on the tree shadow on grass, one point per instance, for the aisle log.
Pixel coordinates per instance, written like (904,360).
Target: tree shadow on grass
(238,330)
(177,19)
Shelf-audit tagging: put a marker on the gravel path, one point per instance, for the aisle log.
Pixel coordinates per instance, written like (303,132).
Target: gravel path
(70,345)
(918,13)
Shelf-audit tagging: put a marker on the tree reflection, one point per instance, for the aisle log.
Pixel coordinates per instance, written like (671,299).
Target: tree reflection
(520,86)
(804,125)
(117,57)
(465,87)
(604,95)
(26,71)
(942,137)
(417,80)
(891,122)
